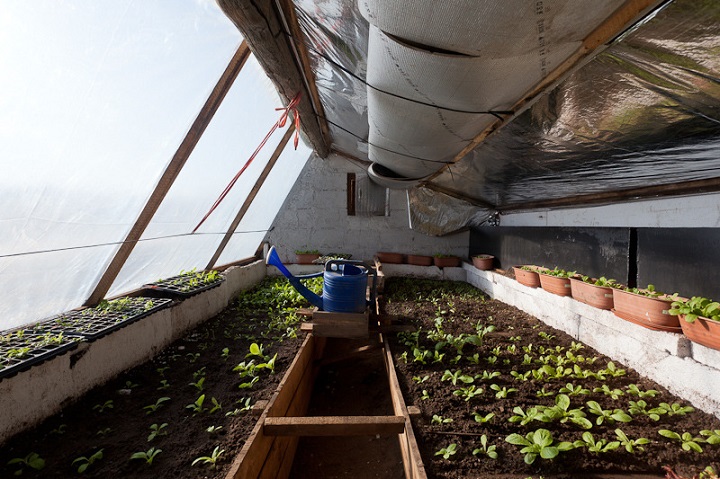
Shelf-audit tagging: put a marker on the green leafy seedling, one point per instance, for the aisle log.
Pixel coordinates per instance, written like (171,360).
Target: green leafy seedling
(571,390)
(101,408)
(675,409)
(688,442)
(613,393)
(84,462)
(480,419)
(596,446)
(524,417)
(607,415)
(32,461)
(164,384)
(212,459)
(213,429)
(631,445)
(634,390)
(425,395)
(197,406)
(640,407)
(469,392)
(199,384)
(502,392)
(419,379)
(436,419)
(154,407)
(456,376)
(538,443)
(157,430)
(713,436)
(485,449)
(561,412)
(148,456)
(448,451)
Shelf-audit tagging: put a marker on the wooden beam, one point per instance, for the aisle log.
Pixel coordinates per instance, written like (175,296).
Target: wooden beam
(628,13)
(674,189)
(334,426)
(171,172)
(265,33)
(251,196)
(287,8)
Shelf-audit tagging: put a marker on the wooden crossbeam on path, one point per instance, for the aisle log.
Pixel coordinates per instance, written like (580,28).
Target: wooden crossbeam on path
(334,426)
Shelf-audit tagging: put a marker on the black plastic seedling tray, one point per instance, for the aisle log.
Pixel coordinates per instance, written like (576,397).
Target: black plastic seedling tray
(92,323)
(182,286)
(24,348)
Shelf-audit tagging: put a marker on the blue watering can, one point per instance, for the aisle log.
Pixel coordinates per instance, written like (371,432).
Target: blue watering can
(344,284)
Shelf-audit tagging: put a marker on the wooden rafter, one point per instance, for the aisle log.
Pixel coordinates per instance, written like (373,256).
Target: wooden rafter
(170,174)
(251,196)
(621,19)
(265,32)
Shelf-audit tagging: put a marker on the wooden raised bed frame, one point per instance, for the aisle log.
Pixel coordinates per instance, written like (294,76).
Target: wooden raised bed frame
(269,452)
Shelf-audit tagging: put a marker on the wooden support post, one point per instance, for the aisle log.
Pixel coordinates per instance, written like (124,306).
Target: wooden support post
(170,174)
(334,426)
(251,196)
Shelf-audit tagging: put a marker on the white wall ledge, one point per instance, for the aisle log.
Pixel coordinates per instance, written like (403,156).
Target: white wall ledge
(30,396)
(686,369)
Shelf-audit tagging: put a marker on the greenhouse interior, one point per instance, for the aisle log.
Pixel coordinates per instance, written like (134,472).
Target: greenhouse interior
(360,238)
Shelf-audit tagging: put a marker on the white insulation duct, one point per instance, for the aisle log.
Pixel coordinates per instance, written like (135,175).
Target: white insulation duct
(435,71)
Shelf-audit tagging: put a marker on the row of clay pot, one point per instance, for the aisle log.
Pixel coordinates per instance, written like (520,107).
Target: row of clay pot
(651,313)
(482,261)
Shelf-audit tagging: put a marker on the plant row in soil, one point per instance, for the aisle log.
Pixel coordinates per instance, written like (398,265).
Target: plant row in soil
(184,414)
(503,395)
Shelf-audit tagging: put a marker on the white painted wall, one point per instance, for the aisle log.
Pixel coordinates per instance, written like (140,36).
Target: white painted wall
(701,211)
(314,216)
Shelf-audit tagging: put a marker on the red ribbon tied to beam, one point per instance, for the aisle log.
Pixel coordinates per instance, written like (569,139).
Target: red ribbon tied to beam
(292,106)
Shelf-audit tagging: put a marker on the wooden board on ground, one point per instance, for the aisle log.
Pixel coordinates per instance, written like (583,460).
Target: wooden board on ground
(334,426)
(340,325)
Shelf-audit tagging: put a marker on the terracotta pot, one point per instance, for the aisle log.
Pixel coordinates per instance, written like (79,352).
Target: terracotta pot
(448,262)
(306,258)
(484,262)
(598,296)
(527,278)
(703,331)
(394,258)
(419,260)
(649,312)
(555,285)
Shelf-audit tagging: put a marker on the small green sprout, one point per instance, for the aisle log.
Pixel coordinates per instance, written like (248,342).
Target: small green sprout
(157,430)
(211,459)
(154,407)
(447,452)
(436,419)
(101,408)
(484,449)
(85,462)
(32,460)
(147,456)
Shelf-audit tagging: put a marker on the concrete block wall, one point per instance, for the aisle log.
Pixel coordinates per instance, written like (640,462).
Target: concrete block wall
(314,216)
(686,369)
(33,395)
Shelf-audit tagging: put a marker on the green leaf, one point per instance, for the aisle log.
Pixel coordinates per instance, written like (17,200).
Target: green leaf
(542,437)
(549,452)
(517,439)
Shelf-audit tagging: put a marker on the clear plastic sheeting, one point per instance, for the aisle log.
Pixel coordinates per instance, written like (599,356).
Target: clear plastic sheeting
(259,218)
(437,214)
(237,128)
(95,101)
(644,112)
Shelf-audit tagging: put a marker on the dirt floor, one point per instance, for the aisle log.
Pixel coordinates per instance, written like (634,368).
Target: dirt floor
(501,365)
(116,419)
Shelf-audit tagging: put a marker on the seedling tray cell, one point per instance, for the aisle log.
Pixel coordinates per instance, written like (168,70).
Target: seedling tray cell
(21,349)
(93,323)
(184,285)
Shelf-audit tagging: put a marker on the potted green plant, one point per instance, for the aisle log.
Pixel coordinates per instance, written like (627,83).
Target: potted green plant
(699,319)
(596,292)
(646,307)
(306,256)
(527,275)
(446,260)
(556,281)
(483,261)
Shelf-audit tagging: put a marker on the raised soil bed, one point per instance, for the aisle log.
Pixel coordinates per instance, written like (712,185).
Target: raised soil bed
(117,418)
(502,369)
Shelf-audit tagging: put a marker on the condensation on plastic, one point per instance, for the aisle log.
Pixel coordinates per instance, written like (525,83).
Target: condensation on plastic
(87,122)
(237,128)
(644,112)
(437,214)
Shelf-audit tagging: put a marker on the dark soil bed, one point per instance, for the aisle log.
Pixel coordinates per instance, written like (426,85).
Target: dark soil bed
(521,343)
(114,418)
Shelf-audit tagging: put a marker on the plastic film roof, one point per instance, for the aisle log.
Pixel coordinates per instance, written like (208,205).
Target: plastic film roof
(96,101)
(394,80)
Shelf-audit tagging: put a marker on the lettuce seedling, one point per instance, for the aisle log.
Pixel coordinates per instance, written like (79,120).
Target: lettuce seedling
(32,460)
(447,452)
(631,444)
(85,462)
(154,407)
(538,443)
(608,415)
(689,443)
(484,449)
(212,459)
(596,446)
(157,430)
(148,456)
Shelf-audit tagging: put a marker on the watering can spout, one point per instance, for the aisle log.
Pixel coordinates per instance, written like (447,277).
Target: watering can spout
(274,260)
